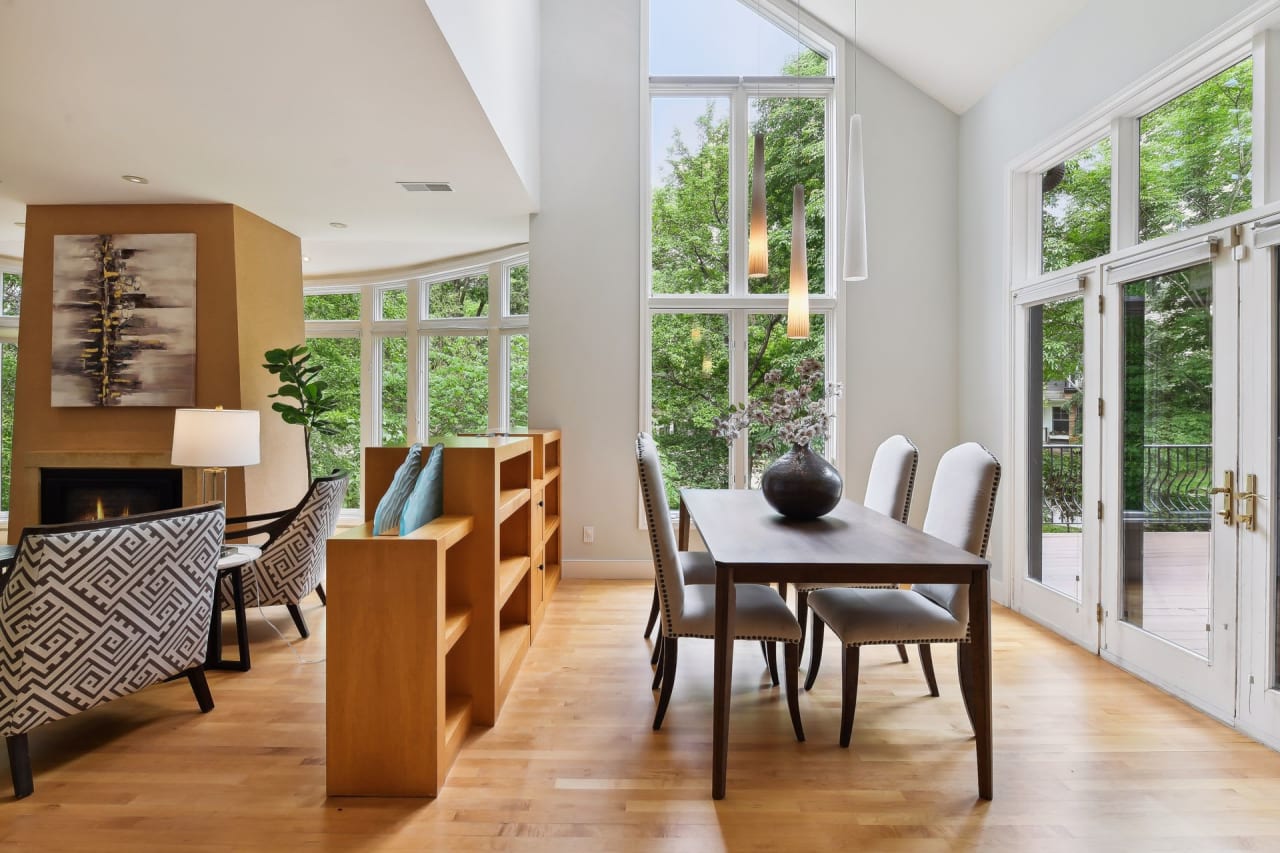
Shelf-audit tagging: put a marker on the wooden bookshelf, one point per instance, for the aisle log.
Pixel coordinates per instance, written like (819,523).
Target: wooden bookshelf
(545,530)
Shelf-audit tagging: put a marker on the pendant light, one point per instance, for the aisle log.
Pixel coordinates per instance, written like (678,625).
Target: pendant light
(855,197)
(758,241)
(798,293)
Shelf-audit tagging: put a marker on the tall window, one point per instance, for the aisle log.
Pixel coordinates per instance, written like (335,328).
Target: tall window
(10,301)
(713,333)
(409,360)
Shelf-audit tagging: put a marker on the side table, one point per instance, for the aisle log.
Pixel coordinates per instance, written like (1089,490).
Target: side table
(231,564)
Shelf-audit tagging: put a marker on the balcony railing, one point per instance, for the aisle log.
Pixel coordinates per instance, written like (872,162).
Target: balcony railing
(1176,479)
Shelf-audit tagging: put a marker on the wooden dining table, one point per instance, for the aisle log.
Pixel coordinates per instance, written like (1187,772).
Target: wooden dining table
(751,543)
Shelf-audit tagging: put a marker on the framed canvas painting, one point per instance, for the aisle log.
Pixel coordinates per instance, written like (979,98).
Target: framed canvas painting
(124,320)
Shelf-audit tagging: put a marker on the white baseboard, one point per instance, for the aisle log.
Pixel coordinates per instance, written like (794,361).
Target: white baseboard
(608,569)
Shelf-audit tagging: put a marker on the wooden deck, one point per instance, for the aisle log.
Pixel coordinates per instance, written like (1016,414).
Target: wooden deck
(1087,758)
(1175,582)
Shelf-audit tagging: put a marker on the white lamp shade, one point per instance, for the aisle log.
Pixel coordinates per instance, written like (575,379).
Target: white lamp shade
(215,438)
(798,292)
(855,208)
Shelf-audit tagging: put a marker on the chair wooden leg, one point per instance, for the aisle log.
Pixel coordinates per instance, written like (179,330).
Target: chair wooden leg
(815,652)
(657,651)
(849,697)
(653,613)
(200,687)
(20,765)
(802,615)
(926,663)
(964,653)
(296,613)
(669,647)
(657,663)
(791,660)
(324,599)
(771,655)
(902,653)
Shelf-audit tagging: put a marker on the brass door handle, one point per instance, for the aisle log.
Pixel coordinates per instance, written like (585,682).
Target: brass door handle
(1228,492)
(1248,518)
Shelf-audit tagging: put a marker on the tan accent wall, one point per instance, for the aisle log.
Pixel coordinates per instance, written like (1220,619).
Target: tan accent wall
(235,252)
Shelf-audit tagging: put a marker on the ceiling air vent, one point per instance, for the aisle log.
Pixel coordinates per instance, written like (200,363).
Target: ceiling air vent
(426,186)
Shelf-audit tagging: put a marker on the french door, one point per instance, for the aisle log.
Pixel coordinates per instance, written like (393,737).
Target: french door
(1173,345)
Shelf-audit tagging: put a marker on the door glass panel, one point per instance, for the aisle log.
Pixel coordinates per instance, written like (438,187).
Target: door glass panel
(1167,455)
(690,375)
(1055,487)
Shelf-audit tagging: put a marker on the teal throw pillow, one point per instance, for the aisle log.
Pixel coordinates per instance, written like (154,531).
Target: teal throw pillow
(387,516)
(426,501)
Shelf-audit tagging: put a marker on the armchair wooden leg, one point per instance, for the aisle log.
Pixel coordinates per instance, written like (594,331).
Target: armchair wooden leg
(200,687)
(653,613)
(926,663)
(815,652)
(20,765)
(669,647)
(296,613)
(657,664)
(902,653)
(771,655)
(849,699)
(791,659)
(324,599)
(964,654)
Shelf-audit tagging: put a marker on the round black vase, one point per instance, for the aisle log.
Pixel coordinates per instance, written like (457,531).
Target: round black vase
(801,484)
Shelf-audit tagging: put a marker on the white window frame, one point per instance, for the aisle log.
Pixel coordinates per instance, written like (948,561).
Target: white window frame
(497,326)
(739,303)
(8,335)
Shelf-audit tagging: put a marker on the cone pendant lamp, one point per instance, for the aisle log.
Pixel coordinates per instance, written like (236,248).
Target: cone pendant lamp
(855,209)
(758,240)
(798,293)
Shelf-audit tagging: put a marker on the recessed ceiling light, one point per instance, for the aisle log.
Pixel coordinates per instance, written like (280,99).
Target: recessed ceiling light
(338,225)
(134,179)
(305,258)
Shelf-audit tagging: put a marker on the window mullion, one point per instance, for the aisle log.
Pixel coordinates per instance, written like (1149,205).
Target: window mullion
(1124,183)
(415,422)
(738,472)
(370,372)
(497,290)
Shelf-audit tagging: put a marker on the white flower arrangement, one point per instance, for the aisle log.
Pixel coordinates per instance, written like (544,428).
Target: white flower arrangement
(790,416)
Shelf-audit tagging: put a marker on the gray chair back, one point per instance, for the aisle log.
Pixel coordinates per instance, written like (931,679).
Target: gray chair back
(961,505)
(91,612)
(892,478)
(662,539)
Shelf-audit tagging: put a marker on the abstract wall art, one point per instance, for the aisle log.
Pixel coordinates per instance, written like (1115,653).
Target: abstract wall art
(124,320)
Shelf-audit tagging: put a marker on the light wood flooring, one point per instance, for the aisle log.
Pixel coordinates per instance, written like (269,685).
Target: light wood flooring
(1087,759)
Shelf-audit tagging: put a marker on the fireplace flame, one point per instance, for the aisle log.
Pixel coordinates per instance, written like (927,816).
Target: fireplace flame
(100,514)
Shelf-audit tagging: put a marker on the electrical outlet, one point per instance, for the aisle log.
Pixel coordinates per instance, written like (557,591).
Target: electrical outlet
(588,535)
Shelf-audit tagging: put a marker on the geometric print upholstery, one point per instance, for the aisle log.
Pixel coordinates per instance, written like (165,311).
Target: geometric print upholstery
(91,612)
(292,565)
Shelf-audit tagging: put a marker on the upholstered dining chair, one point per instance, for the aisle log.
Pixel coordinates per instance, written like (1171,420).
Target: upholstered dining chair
(889,488)
(960,508)
(292,561)
(688,610)
(94,611)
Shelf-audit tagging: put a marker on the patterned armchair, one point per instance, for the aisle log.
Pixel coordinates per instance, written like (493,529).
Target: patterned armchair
(292,561)
(92,612)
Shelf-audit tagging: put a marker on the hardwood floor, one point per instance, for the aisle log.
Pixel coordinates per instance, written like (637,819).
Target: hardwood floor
(1087,759)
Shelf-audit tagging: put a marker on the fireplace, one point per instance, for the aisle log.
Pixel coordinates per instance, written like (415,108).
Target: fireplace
(85,494)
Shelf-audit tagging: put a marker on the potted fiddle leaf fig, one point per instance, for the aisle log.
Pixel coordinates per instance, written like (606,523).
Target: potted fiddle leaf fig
(308,406)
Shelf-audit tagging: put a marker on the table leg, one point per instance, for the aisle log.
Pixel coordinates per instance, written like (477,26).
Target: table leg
(242,621)
(726,604)
(682,528)
(980,675)
(213,657)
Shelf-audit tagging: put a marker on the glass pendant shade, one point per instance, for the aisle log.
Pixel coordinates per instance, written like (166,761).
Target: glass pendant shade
(758,239)
(798,293)
(855,209)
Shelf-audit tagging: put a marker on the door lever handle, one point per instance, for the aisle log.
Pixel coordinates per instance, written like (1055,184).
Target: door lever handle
(1248,516)
(1228,492)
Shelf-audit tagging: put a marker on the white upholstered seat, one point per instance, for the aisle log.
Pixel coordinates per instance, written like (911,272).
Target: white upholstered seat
(688,610)
(960,508)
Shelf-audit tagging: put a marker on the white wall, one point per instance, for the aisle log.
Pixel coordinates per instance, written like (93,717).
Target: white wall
(901,367)
(1109,46)
(496,43)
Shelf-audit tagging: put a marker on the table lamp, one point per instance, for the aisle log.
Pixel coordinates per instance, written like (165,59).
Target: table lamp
(214,440)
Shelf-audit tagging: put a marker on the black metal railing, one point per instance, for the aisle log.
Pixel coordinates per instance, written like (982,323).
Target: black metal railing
(1176,479)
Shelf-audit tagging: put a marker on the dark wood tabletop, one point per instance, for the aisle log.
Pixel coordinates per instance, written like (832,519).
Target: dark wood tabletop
(753,544)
